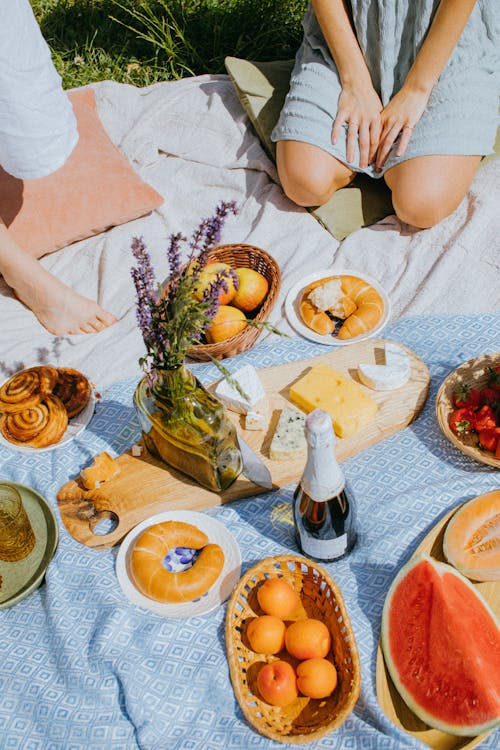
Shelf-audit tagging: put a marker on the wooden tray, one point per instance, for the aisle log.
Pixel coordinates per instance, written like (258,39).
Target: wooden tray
(388,697)
(145,486)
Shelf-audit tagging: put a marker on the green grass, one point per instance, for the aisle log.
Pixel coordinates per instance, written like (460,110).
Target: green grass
(145,41)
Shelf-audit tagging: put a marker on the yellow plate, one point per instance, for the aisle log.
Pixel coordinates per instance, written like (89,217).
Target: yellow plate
(388,697)
(473,373)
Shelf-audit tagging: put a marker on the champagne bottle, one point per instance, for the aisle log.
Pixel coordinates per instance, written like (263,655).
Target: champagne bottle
(324,510)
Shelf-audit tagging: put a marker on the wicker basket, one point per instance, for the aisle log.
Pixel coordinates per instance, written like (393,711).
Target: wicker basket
(473,373)
(305,719)
(247,256)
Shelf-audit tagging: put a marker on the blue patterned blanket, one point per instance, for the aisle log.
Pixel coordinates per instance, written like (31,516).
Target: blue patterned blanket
(81,668)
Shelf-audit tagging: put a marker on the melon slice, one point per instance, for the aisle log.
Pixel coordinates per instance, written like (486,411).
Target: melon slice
(441,644)
(471,542)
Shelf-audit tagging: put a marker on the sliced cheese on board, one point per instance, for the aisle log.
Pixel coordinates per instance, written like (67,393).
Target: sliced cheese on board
(393,374)
(249,382)
(289,440)
(324,388)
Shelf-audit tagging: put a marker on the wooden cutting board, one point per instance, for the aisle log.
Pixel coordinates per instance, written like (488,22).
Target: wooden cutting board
(145,486)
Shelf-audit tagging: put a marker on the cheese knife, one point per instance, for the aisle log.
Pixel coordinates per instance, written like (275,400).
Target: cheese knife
(254,468)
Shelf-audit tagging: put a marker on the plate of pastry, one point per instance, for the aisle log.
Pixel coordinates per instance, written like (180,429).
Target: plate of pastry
(336,308)
(44,407)
(178,564)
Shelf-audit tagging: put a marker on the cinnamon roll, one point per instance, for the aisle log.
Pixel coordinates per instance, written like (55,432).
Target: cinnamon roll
(38,426)
(73,389)
(27,388)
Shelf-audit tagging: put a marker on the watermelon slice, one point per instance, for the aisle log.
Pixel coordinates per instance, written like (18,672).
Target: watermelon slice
(441,644)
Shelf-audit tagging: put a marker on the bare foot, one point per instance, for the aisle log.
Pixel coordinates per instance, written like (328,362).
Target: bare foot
(59,308)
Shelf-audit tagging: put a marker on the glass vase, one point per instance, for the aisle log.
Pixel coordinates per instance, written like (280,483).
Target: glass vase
(188,428)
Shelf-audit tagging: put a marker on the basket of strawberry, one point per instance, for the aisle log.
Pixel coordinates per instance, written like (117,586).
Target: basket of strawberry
(468,408)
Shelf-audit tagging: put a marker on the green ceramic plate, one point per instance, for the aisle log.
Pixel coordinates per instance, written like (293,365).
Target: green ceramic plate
(20,578)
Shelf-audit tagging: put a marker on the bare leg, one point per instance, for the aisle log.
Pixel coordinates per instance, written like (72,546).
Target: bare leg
(426,189)
(308,174)
(59,309)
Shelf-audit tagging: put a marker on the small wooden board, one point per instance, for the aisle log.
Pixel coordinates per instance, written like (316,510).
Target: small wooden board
(145,486)
(388,697)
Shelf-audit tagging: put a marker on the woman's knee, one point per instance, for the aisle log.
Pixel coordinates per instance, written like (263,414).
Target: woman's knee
(308,178)
(422,208)
(425,190)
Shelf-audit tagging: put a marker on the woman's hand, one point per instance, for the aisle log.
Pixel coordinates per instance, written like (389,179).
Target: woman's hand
(360,110)
(398,119)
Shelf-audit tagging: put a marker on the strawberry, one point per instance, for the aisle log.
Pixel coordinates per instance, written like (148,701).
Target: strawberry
(461,421)
(484,419)
(466,396)
(489,396)
(488,439)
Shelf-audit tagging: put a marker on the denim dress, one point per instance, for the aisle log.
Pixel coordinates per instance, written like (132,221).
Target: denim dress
(461,116)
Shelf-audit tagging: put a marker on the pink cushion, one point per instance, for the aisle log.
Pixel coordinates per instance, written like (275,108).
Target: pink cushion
(96,189)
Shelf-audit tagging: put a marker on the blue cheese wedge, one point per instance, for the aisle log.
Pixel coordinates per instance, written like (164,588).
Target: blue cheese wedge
(250,384)
(289,440)
(393,374)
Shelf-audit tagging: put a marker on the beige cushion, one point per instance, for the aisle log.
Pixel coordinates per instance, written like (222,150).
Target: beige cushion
(261,88)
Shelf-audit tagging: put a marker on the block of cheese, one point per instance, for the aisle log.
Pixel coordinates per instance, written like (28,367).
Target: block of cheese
(249,382)
(393,374)
(324,388)
(255,420)
(289,440)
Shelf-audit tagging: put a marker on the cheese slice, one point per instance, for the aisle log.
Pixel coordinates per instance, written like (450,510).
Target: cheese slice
(393,374)
(324,388)
(289,440)
(250,384)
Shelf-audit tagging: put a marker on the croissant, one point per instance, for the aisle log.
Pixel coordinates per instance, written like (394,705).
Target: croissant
(316,317)
(73,389)
(155,581)
(369,307)
(27,388)
(39,426)
(362,307)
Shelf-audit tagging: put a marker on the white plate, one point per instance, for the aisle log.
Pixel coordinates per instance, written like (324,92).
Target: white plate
(215,596)
(293,300)
(76,425)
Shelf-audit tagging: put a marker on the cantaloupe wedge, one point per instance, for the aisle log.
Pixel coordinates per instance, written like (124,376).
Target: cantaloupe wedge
(471,541)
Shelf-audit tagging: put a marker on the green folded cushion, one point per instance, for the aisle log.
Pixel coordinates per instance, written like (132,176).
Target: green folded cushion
(261,88)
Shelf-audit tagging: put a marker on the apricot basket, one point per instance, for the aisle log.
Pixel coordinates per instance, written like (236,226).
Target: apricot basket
(247,256)
(305,719)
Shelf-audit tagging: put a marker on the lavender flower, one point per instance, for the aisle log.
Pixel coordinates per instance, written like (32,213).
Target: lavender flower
(172,319)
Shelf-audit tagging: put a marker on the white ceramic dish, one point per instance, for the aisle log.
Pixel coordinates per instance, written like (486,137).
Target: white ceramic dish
(220,591)
(76,425)
(293,300)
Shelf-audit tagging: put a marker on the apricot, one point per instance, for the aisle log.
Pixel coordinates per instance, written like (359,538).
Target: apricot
(277,597)
(228,321)
(316,678)
(277,683)
(252,289)
(308,639)
(266,634)
(209,274)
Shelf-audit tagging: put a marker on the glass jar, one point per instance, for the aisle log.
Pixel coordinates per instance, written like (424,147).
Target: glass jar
(188,428)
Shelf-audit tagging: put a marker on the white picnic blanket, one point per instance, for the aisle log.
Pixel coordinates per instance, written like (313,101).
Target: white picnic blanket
(192,141)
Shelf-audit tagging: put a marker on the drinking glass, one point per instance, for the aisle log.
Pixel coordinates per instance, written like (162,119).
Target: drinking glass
(17,538)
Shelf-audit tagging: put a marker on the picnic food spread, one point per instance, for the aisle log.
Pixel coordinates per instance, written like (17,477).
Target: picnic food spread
(290,646)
